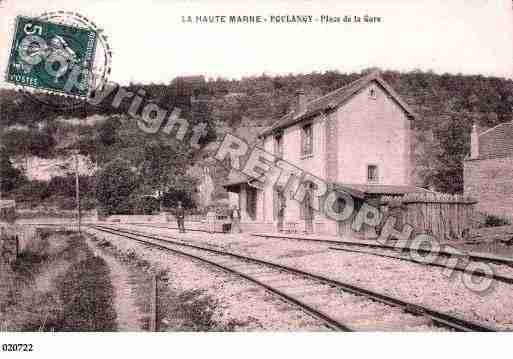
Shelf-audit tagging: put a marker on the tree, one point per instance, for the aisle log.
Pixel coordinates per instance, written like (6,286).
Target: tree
(34,192)
(172,197)
(116,183)
(447,105)
(162,164)
(65,185)
(63,191)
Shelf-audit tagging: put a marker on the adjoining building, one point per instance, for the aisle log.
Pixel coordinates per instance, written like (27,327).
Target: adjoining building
(488,171)
(357,138)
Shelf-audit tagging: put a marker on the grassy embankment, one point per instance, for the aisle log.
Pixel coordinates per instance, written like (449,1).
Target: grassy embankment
(57,284)
(178,310)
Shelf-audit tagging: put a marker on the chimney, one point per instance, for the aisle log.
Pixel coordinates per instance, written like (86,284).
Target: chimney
(474,141)
(300,101)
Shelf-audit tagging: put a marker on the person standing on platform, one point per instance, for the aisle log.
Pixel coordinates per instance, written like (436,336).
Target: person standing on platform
(180,217)
(211,219)
(236,220)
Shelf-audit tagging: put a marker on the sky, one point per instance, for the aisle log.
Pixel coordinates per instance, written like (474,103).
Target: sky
(151,44)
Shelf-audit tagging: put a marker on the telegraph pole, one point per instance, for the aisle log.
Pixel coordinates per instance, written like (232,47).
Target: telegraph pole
(1,154)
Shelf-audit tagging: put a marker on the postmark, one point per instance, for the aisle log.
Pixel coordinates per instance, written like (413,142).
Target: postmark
(58,54)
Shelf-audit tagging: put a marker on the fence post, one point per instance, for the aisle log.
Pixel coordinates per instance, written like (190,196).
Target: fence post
(154,322)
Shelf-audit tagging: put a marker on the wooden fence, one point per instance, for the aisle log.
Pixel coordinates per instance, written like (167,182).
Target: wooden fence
(445,216)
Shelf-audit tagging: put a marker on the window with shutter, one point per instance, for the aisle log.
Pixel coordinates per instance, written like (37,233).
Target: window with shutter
(278,146)
(372,173)
(372,94)
(306,140)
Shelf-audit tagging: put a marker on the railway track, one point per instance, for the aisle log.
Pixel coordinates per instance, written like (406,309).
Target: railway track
(475,256)
(328,321)
(494,276)
(341,246)
(363,309)
(175,228)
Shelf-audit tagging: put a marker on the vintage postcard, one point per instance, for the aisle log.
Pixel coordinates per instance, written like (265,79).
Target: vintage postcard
(259,167)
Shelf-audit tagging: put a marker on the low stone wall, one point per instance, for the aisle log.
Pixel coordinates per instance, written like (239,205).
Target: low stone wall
(203,226)
(193,225)
(136,218)
(320,227)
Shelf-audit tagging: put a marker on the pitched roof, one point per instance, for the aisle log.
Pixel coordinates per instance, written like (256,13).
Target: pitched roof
(497,141)
(356,190)
(335,99)
(382,189)
(235,178)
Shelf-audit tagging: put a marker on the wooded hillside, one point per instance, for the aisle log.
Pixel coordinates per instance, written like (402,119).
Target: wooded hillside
(447,105)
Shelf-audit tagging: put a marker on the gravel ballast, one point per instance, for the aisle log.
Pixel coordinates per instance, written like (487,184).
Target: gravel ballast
(241,305)
(418,284)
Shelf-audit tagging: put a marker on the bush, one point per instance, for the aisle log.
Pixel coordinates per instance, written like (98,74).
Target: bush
(145,205)
(495,221)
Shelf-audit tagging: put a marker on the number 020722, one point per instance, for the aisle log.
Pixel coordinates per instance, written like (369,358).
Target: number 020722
(17,347)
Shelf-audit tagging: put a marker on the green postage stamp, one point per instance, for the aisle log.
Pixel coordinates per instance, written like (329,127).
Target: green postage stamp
(55,58)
